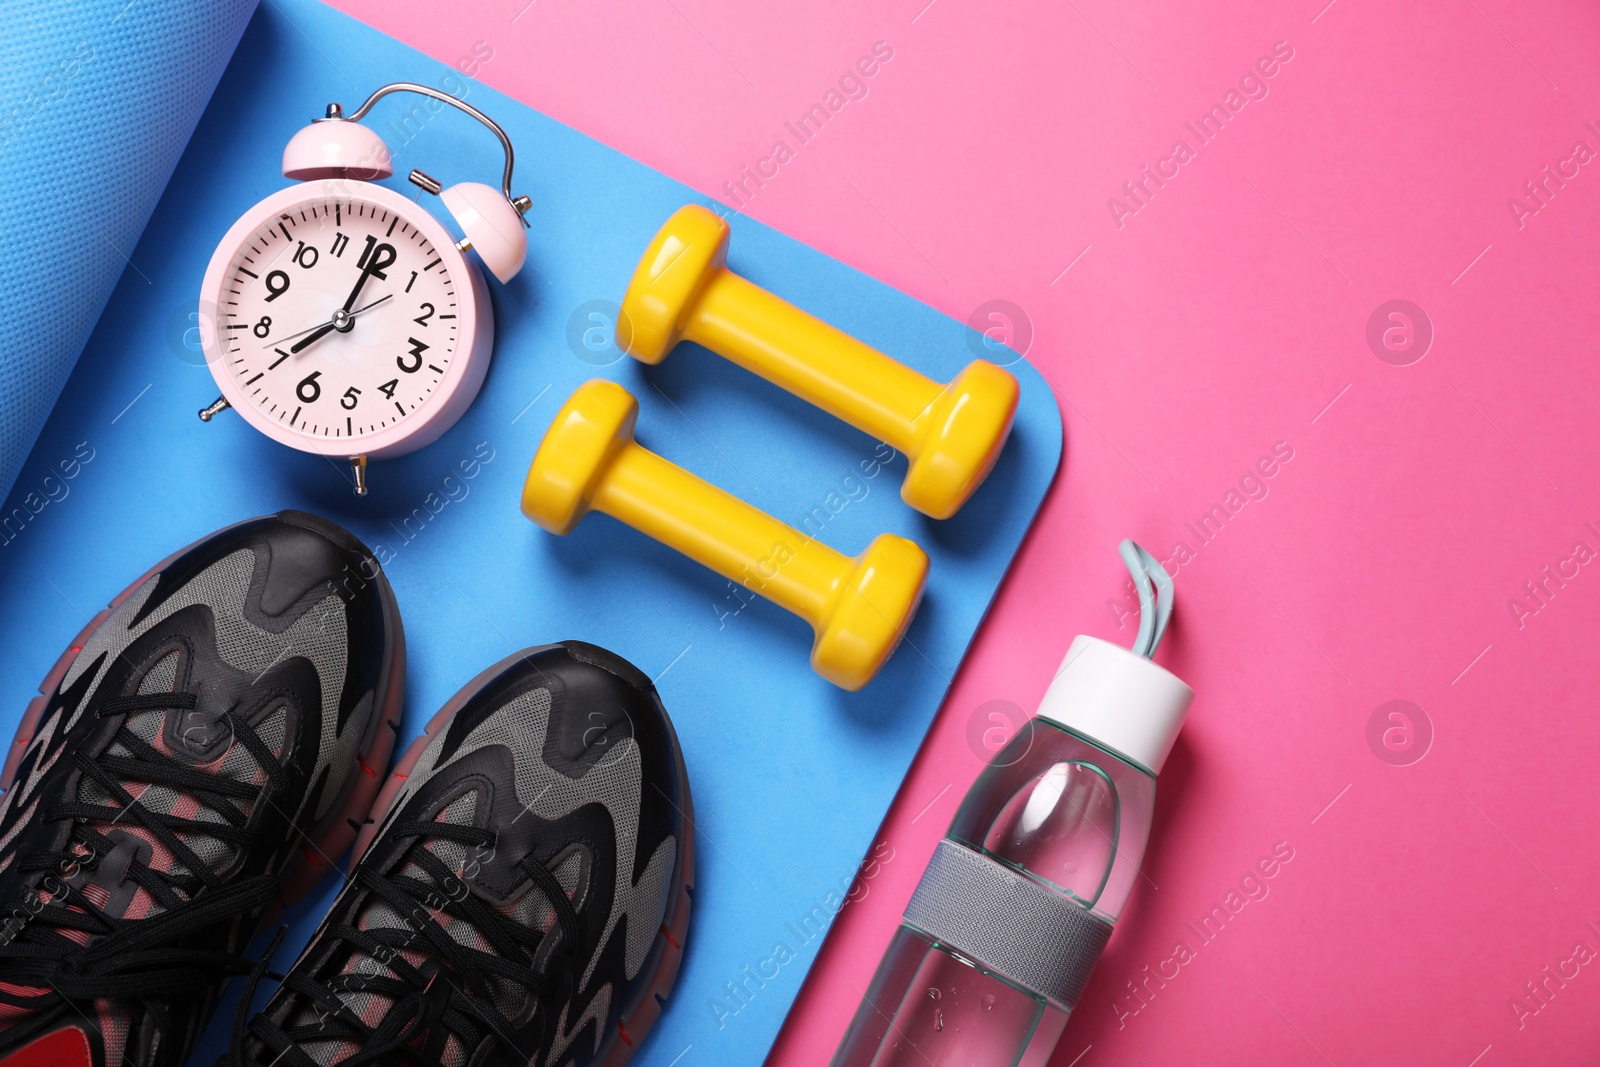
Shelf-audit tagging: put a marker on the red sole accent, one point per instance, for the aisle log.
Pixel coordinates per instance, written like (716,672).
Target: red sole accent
(63,1048)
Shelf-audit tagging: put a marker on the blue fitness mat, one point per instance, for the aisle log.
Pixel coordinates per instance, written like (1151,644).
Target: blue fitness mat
(97,101)
(790,775)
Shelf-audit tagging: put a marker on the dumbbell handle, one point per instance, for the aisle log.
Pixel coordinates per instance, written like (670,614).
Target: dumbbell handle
(720,531)
(799,352)
(858,608)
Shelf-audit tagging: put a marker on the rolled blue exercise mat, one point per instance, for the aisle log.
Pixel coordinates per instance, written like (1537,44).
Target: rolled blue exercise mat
(97,101)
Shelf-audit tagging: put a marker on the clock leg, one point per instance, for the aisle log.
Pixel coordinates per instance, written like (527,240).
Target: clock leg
(358,467)
(212,410)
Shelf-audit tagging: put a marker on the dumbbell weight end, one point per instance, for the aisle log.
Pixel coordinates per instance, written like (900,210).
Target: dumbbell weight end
(683,290)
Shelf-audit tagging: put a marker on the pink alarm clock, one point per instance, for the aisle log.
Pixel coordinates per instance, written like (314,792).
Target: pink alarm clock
(346,321)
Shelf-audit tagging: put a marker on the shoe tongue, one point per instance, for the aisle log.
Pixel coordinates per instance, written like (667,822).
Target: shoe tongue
(200,734)
(528,909)
(379,915)
(164,730)
(148,726)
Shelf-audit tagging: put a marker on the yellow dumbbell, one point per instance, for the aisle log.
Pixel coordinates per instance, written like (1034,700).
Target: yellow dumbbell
(951,434)
(858,607)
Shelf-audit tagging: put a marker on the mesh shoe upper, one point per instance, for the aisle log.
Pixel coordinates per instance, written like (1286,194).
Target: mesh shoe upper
(512,905)
(202,738)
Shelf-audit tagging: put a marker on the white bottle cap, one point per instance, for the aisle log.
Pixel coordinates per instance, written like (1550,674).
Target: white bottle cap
(1118,699)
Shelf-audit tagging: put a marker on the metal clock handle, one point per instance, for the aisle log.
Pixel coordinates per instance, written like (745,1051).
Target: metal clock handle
(520,203)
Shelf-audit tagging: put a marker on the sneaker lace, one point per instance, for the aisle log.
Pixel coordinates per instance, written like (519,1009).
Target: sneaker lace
(439,988)
(69,952)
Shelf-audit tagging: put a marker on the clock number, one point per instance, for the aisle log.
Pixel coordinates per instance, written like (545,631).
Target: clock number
(388,387)
(417,348)
(277,284)
(309,390)
(412,282)
(340,242)
(305,256)
(349,401)
(377,258)
(262,328)
(422,319)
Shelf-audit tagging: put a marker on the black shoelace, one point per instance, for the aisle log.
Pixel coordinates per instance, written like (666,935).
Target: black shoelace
(450,994)
(135,959)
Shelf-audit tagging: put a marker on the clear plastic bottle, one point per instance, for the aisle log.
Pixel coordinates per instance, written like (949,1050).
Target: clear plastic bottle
(1020,897)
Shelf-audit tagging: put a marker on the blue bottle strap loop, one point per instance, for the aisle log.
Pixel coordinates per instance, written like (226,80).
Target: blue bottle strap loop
(1155,596)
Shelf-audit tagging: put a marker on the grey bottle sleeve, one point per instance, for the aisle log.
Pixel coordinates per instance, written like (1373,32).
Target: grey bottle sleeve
(1012,925)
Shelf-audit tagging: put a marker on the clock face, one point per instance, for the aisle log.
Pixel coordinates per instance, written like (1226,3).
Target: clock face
(338,318)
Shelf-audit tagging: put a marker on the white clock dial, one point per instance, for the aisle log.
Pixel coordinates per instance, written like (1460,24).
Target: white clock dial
(295,353)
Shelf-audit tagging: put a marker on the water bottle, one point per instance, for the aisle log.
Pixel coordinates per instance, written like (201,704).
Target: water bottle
(1019,899)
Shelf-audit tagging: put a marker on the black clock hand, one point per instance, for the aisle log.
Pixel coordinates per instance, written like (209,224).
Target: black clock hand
(322,331)
(342,317)
(315,335)
(321,325)
(351,299)
(345,314)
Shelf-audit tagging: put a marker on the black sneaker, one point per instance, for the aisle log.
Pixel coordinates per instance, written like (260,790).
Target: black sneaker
(195,757)
(523,898)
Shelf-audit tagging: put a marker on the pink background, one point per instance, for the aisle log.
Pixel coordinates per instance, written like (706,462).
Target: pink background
(1229,313)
